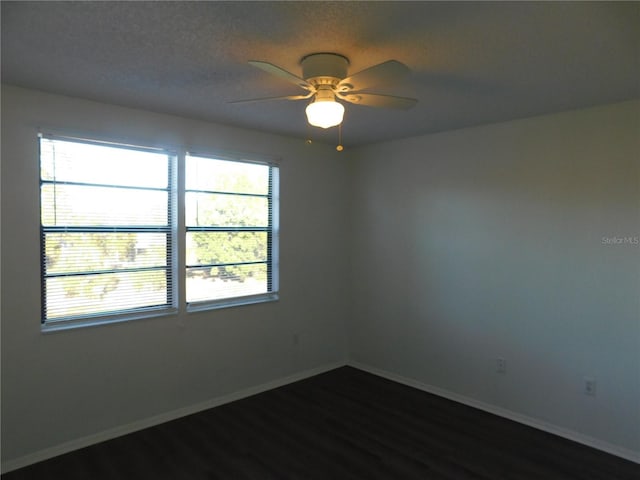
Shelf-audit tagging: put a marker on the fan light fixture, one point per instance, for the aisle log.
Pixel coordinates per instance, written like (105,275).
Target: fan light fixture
(325,112)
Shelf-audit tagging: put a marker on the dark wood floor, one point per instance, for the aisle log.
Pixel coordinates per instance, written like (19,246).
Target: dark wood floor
(341,425)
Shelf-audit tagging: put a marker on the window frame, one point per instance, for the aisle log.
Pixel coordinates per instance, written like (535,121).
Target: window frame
(170,230)
(272,230)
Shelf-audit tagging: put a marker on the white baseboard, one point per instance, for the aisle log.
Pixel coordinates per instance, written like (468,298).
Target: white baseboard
(111,433)
(502,412)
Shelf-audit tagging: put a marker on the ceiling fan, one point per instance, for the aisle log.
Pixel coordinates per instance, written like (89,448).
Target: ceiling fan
(324,77)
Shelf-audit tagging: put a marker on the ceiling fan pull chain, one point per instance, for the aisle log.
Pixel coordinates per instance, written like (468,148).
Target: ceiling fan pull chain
(340,147)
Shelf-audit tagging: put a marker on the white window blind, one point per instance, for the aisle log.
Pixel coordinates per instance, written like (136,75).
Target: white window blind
(231,229)
(106,229)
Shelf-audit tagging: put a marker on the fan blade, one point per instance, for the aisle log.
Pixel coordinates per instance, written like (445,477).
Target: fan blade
(279,72)
(380,74)
(288,97)
(375,100)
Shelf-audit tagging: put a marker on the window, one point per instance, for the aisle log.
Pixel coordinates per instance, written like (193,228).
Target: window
(106,229)
(109,223)
(230,230)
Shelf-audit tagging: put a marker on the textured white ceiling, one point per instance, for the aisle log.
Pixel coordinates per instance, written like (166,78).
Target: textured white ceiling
(472,62)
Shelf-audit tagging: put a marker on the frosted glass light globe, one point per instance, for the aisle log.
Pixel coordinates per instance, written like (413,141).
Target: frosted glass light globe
(325,113)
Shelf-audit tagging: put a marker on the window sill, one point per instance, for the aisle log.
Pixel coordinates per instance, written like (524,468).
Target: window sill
(232,302)
(62,325)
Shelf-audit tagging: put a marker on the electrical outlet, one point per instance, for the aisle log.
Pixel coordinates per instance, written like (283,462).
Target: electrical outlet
(501,365)
(590,386)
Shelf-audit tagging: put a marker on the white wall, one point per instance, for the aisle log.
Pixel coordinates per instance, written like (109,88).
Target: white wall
(64,386)
(488,242)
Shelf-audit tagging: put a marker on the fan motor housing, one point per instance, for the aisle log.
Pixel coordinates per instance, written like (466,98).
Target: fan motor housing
(324,68)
